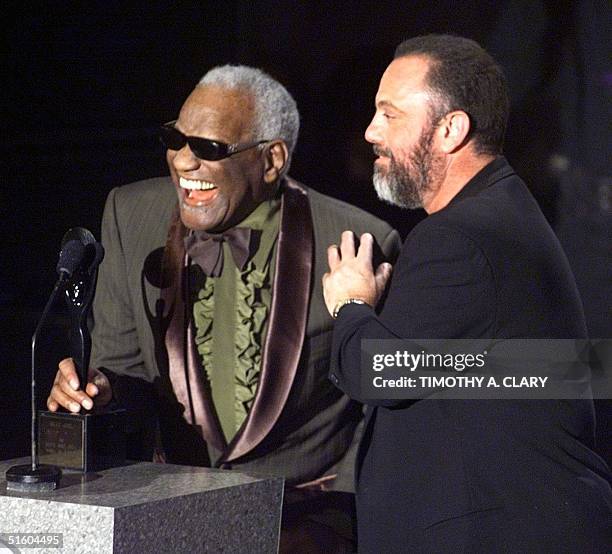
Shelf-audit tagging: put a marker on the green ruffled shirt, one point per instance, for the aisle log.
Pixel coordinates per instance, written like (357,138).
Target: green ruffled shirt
(230,313)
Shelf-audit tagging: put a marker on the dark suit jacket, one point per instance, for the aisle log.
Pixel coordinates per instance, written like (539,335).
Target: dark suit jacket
(441,475)
(300,426)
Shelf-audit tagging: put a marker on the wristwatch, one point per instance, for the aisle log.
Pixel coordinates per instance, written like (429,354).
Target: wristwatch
(346,302)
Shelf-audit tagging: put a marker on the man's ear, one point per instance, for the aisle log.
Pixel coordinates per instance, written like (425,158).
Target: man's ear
(454,131)
(276,157)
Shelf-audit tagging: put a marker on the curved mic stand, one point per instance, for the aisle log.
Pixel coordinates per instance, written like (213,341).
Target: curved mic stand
(36,477)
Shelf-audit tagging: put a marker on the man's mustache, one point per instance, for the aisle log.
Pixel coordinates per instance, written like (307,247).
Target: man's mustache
(378,151)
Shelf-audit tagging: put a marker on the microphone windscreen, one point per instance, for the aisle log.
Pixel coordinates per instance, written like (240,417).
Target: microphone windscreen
(70,257)
(80,234)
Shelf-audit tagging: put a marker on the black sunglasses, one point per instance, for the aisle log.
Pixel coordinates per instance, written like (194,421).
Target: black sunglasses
(203,148)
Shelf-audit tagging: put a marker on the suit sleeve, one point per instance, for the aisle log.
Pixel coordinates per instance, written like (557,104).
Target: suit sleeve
(442,288)
(115,345)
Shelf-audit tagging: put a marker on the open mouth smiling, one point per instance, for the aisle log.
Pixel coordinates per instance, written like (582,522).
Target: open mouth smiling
(192,184)
(198,193)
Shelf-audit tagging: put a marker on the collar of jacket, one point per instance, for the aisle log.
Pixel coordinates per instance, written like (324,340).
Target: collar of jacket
(495,170)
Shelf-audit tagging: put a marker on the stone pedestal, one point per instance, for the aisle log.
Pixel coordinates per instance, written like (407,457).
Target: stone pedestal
(148,508)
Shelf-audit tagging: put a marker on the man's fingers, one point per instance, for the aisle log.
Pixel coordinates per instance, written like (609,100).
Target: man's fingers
(366,247)
(68,371)
(350,276)
(99,387)
(382,275)
(92,390)
(347,244)
(63,399)
(67,394)
(333,256)
(76,396)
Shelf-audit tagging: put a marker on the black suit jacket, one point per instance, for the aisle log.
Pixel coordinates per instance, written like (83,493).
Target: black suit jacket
(440,475)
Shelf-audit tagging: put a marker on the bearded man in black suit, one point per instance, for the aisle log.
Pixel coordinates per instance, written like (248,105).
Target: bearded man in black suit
(448,475)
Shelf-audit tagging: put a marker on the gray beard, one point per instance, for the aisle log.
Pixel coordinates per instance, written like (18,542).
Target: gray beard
(405,185)
(396,187)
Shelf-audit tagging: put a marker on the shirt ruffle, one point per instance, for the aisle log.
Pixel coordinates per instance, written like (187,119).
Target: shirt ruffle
(252,314)
(204,311)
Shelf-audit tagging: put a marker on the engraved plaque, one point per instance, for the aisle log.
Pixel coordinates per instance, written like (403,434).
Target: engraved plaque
(61,440)
(83,442)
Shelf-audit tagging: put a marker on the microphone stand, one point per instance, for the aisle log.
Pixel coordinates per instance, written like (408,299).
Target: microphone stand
(34,477)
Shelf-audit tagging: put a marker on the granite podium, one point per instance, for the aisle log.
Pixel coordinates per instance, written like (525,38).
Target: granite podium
(146,507)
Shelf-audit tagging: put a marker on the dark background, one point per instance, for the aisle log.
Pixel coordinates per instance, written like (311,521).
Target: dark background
(86,85)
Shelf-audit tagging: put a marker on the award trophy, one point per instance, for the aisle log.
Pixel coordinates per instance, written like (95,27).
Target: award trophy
(94,440)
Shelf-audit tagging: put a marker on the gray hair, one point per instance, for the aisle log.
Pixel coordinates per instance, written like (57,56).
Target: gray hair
(276,114)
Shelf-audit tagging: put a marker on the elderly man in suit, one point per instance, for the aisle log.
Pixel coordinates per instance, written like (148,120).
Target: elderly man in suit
(210,295)
(448,475)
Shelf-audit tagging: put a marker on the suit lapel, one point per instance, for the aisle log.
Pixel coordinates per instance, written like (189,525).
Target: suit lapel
(287,324)
(183,366)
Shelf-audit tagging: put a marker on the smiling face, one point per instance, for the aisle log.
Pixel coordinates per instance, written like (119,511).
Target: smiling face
(403,134)
(214,196)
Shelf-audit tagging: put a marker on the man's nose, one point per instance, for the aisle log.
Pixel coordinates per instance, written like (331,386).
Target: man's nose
(372,133)
(185,160)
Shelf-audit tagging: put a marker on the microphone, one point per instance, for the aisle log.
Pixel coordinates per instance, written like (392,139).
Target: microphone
(70,258)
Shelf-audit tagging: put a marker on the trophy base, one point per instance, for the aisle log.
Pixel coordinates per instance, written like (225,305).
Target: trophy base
(24,478)
(82,442)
